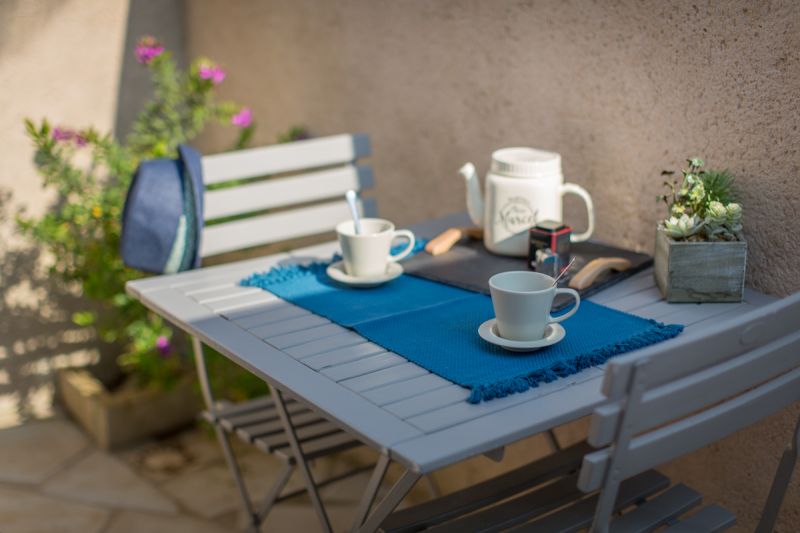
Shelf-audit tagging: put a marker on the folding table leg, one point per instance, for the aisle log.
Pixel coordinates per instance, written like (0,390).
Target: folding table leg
(275,490)
(233,466)
(780,483)
(300,459)
(371,491)
(390,501)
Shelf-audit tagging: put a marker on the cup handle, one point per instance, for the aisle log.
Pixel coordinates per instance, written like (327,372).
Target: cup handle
(572,311)
(571,188)
(408,235)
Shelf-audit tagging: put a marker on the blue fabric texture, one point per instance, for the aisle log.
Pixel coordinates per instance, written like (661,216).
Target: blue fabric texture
(436,326)
(163,215)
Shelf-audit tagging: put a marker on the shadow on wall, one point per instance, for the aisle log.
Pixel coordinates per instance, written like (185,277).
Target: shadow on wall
(37,336)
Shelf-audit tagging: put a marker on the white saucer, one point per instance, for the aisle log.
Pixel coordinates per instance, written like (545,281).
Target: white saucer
(336,272)
(553,334)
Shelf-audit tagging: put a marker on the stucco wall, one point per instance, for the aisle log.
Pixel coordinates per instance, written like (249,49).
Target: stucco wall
(621,89)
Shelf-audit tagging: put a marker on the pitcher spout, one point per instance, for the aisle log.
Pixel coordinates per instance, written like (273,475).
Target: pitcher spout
(474,196)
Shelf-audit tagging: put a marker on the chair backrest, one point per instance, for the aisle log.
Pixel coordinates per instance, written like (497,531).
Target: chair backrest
(666,401)
(277,177)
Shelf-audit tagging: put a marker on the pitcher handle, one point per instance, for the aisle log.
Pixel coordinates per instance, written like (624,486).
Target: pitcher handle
(571,188)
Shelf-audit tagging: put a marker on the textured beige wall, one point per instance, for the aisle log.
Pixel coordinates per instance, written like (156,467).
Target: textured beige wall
(621,89)
(60,60)
(70,61)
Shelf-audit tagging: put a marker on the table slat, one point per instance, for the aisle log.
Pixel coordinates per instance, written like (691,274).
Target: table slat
(342,355)
(364,366)
(384,377)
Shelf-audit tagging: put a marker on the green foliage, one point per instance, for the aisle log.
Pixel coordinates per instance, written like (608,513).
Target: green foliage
(702,204)
(90,172)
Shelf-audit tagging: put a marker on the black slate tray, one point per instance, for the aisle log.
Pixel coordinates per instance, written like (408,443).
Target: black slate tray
(469,265)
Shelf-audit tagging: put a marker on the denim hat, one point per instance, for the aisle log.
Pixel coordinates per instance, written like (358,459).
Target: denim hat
(163,216)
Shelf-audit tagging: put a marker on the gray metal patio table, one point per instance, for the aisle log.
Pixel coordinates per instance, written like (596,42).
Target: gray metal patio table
(403,411)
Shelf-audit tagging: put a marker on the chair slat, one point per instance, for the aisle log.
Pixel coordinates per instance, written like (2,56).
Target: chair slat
(711,519)
(658,511)
(487,492)
(264,229)
(696,350)
(691,433)
(281,192)
(289,157)
(686,395)
(579,515)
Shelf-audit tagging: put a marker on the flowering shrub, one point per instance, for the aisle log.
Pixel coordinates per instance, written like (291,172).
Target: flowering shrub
(701,205)
(90,173)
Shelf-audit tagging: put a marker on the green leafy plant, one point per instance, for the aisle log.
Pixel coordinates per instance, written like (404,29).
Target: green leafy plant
(90,172)
(701,204)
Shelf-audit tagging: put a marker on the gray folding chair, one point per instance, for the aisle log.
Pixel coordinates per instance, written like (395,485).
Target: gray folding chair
(319,171)
(662,403)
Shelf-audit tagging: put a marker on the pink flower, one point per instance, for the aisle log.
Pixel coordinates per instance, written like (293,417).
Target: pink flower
(163,346)
(243,118)
(63,134)
(212,72)
(147,49)
(81,140)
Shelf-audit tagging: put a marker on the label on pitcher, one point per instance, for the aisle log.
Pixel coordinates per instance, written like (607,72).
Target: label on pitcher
(516,215)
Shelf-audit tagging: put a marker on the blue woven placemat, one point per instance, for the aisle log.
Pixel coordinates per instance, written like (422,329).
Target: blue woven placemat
(436,327)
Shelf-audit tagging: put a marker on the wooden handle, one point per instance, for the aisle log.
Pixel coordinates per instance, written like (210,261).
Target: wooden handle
(594,268)
(445,240)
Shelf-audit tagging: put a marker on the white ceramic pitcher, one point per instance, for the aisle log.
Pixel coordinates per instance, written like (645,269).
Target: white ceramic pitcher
(523,186)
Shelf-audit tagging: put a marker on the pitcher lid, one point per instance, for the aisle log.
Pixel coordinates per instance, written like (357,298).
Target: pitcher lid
(525,162)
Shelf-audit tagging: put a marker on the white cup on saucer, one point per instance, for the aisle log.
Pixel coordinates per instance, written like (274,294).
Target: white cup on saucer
(368,253)
(522,302)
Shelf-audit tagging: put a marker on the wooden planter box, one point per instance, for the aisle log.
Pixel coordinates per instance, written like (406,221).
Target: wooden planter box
(700,271)
(129,414)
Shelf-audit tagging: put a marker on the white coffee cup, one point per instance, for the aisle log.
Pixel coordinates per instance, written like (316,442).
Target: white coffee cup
(368,253)
(522,301)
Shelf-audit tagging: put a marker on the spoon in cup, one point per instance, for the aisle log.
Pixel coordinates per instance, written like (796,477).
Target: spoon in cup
(566,269)
(351,202)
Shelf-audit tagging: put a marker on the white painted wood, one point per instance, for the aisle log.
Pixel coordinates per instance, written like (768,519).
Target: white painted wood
(288,157)
(340,340)
(474,436)
(241,301)
(281,192)
(461,412)
(342,355)
(408,388)
(223,293)
(307,335)
(274,227)
(638,282)
(691,433)
(429,401)
(354,413)
(384,377)
(291,325)
(364,366)
(280,311)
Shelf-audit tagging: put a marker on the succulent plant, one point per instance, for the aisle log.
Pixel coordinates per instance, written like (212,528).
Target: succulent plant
(701,205)
(682,227)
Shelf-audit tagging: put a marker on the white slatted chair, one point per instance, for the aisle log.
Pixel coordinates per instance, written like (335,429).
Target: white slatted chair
(327,169)
(660,406)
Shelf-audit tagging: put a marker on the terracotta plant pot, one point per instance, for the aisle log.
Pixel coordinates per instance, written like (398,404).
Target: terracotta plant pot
(700,271)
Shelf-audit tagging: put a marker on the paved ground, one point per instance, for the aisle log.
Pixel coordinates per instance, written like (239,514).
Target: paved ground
(52,478)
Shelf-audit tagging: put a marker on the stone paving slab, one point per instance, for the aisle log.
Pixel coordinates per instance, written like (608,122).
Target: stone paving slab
(137,522)
(210,491)
(102,479)
(33,452)
(26,512)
